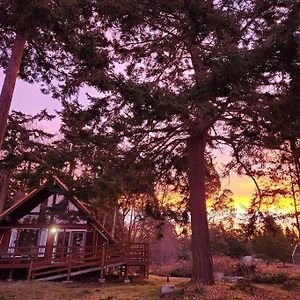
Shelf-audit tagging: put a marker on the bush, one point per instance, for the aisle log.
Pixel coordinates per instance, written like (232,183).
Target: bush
(242,269)
(225,264)
(290,285)
(177,272)
(278,278)
(179,269)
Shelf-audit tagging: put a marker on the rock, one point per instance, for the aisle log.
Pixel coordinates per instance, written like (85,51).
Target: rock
(218,276)
(232,279)
(167,289)
(126,281)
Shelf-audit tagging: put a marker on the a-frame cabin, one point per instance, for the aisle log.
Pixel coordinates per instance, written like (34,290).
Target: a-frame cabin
(50,234)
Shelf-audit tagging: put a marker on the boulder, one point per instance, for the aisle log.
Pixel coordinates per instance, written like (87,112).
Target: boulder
(167,289)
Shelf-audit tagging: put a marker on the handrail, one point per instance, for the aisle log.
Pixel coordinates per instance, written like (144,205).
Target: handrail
(41,262)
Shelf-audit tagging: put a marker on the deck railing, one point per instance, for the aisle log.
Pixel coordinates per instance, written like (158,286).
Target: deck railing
(131,254)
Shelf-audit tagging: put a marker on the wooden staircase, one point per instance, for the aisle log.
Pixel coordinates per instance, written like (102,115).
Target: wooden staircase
(47,274)
(71,264)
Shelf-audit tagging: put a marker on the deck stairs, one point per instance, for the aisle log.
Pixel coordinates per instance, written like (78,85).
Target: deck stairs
(73,264)
(65,272)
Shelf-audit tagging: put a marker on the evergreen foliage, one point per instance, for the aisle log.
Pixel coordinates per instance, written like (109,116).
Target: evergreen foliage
(195,74)
(271,243)
(22,159)
(65,42)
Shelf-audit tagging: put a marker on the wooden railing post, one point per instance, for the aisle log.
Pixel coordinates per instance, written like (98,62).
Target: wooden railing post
(30,271)
(102,279)
(147,260)
(69,267)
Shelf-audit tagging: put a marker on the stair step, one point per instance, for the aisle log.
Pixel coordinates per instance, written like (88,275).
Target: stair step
(74,273)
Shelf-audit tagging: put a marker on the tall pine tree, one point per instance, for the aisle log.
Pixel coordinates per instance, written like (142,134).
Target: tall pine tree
(191,66)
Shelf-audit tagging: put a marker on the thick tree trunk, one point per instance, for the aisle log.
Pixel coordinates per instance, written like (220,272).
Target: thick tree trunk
(10,81)
(202,271)
(3,189)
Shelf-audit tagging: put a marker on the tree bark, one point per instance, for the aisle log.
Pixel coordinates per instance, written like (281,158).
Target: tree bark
(113,228)
(10,81)
(3,189)
(202,271)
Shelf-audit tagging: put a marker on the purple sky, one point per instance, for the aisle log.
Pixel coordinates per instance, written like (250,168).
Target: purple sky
(29,99)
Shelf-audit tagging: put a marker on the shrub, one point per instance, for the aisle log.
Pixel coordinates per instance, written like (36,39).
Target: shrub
(242,269)
(177,272)
(225,264)
(179,269)
(290,284)
(278,278)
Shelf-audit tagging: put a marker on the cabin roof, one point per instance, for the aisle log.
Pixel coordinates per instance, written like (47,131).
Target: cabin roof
(37,196)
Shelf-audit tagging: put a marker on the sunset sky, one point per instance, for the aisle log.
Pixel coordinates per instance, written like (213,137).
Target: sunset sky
(29,99)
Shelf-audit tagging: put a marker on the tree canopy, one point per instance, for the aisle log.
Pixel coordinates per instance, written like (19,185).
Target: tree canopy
(177,79)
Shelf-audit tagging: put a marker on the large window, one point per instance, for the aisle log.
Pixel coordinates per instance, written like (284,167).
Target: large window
(27,241)
(57,209)
(69,241)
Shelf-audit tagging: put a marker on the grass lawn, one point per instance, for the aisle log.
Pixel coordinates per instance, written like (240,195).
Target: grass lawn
(146,291)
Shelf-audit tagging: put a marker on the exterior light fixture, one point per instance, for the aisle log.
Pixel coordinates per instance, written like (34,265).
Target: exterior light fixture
(53,229)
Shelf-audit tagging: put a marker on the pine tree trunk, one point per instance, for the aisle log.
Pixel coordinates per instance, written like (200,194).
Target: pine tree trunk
(10,81)
(202,271)
(3,189)
(113,228)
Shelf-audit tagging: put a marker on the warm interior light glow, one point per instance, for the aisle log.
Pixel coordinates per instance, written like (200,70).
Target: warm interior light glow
(53,229)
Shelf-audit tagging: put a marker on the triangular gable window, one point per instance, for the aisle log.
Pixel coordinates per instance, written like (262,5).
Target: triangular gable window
(56,209)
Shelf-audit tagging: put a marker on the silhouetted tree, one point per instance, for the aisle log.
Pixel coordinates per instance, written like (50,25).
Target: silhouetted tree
(56,43)
(193,70)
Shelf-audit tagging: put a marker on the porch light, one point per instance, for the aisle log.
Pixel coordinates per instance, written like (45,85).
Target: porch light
(53,229)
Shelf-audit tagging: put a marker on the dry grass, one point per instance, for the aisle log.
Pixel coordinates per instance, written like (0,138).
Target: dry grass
(22,290)
(146,291)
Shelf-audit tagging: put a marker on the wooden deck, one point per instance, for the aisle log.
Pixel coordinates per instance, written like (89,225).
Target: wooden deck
(65,262)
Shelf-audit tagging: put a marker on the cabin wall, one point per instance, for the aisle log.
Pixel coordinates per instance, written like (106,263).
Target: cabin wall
(90,238)
(4,237)
(93,238)
(100,240)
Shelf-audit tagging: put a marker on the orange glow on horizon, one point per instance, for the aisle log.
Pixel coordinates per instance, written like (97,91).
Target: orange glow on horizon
(243,189)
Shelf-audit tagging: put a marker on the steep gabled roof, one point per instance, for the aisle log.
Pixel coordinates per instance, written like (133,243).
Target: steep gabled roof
(37,196)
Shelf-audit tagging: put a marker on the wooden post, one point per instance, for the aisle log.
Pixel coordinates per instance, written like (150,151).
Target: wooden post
(144,272)
(126,279)
(30,271)
(102,279)
(147,260)
(120,272)
(69,267)
(62,258)
(10,275)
